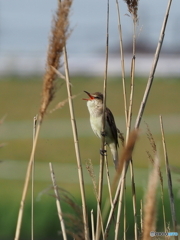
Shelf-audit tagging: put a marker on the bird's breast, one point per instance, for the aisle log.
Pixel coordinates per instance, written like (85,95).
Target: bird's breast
(96,125)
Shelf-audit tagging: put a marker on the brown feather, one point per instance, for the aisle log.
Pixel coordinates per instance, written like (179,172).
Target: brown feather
(112,124)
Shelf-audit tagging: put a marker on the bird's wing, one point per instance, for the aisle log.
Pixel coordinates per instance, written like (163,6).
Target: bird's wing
(112,124)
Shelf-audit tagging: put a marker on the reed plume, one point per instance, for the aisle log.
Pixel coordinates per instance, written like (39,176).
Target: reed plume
(59,35)
(89,167)
(73,219)
(128,150)
(149,220)
(57,42)
(133,8)
(154,148)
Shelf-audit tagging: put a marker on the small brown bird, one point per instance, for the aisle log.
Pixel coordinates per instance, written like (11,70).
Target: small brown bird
(95,107)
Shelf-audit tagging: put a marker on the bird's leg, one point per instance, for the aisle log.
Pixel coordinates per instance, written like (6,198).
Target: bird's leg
(103,133)
(103,152)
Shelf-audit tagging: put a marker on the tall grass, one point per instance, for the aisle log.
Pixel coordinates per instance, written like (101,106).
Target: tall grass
(116,188)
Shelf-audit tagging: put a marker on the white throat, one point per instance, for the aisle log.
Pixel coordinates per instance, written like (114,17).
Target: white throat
(95,108)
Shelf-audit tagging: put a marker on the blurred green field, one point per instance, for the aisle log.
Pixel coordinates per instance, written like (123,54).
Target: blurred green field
(20,100)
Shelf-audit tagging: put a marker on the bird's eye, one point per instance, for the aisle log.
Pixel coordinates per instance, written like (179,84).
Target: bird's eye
(97,97)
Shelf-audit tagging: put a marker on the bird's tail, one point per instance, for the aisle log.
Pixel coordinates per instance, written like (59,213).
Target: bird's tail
(114,152)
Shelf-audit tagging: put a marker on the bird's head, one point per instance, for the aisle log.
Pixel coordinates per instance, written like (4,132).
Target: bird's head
(97,96)
(95,100)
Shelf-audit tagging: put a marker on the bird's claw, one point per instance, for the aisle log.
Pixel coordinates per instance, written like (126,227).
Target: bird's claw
(103,152)
(103,133)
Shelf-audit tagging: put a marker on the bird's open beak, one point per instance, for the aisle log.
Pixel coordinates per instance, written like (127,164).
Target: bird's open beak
(90,96)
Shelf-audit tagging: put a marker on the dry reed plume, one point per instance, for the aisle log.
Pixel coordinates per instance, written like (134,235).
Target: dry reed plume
(149,219)
(73,220)
(61,104)
(154,148)
(123,161)
(59,34)
(127,151)
(89,167)
(133,8)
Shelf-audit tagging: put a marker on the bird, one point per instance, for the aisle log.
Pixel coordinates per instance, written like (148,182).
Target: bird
(95,107)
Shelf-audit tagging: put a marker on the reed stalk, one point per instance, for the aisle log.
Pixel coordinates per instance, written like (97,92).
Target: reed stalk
(58,204)
(108,180)
(129,118)
(163,208)
(133,7)
(99,201)
(122,61)
(90,169)
(125,219)
(26,183)
(92,225)
(134,200)
(141,216)
(133,10)
(32,183)
(112,208)
(124,159)
(77,149)
(168,173)
(119,207)
(101,168)
(153,69)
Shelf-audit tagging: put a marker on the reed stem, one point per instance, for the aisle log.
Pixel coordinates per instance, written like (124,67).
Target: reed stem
(125,219)
(108,179)
(26,182)
(168,173)
(59,210)
(32,183)
(101,168)
(122,61)
(128,128)
(141,216)
(77,149)
(123,178)
(92,225)
(153,69)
